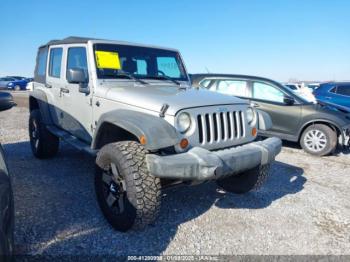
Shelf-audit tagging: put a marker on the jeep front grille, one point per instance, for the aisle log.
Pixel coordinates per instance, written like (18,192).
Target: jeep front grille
(220,127)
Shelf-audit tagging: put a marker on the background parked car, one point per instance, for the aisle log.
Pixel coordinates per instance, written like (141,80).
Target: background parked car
(6,195)
(302,90)
(335,93)
(12,83)
(318,128)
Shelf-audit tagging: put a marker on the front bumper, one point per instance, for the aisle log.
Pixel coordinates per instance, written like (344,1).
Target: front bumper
(201,164)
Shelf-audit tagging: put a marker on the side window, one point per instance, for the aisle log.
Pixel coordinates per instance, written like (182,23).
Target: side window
(267,92)
(169,66)
(343,90)
(333,90)
(77,59)
(205,83)
(141,67)
(233,87)
(55,62)
(42,59)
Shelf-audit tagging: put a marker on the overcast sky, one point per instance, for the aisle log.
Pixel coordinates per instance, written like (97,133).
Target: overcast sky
(300,39)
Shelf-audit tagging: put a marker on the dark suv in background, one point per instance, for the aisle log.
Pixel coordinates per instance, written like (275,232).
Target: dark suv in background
(6,195)
(319,128)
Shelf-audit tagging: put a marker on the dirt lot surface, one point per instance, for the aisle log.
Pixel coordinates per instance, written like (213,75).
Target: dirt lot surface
(304,207)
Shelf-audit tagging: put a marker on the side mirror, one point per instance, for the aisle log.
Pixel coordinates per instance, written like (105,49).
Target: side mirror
(6,101)
(288,100)
(77,76)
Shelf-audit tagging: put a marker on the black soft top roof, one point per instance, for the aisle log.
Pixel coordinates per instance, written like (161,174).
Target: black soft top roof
(69,40)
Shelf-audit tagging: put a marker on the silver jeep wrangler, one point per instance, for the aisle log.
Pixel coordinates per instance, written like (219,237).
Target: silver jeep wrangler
(133,107)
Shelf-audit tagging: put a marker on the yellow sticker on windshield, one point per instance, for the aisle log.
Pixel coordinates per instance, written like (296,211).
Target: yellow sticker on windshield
(107,60)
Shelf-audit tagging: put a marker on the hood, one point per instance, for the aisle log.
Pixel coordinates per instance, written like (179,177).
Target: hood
(153,97)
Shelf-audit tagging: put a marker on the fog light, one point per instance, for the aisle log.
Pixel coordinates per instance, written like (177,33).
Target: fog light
(183,143)
(254,131)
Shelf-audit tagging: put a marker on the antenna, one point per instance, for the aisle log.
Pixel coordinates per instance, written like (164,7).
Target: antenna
(206,68)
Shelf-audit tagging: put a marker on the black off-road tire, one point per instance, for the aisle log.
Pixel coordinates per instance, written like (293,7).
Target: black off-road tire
(246,181)
(43,143)
(331,137)
(142,193)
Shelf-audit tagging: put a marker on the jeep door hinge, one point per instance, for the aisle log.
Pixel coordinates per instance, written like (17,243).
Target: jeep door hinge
(90,101)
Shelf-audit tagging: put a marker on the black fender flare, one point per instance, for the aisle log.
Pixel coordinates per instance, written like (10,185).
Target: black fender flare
(320,120)
(157,131)
(40,98)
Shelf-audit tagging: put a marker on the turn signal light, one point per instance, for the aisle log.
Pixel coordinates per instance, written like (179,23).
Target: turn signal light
(254,131)
(183,143)
(143,140)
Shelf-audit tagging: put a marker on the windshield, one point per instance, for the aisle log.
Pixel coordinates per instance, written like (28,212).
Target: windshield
(141,62)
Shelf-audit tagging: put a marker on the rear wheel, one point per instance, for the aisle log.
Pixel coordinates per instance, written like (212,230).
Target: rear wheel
(128,195)
(43,143)
(246,181)
(319,140)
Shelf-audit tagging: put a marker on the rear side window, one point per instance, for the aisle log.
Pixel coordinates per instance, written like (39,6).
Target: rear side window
(343,90)
(42,58)
(77,59)
(55,62)
(233,87)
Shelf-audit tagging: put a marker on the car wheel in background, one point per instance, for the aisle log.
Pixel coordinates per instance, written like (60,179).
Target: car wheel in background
(319,140)
(17,88)
(43,143)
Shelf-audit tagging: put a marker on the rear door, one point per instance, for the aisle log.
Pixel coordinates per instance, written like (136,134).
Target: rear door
(54,83)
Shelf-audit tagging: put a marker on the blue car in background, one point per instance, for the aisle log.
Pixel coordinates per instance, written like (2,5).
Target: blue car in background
(337,93)
(13,83)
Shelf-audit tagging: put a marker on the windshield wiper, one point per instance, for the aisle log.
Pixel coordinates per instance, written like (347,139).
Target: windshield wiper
(167,78)
(131,76)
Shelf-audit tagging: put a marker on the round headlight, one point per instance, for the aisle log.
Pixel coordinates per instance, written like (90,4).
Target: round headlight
(250,115)
(183,122)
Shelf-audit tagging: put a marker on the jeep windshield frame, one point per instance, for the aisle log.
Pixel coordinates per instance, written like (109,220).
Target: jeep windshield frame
(142,63)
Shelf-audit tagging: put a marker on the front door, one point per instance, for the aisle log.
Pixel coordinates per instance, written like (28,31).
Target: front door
(77,105)
(271,99)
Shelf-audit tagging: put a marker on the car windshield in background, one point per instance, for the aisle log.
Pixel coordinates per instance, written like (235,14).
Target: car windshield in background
(141,62)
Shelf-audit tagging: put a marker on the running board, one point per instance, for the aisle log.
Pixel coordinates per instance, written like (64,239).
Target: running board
(72,140)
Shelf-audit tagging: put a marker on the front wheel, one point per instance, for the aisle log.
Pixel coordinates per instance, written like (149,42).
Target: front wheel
(17,88)
(319,140)
(128,195)
(246,181)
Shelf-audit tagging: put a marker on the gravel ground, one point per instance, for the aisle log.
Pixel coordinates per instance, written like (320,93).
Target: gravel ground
(304,207)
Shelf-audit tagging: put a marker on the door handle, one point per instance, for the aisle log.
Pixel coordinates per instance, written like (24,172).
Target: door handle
(48,85)
(64,90)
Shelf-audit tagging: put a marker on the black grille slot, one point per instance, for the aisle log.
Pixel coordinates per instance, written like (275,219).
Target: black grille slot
(229,124)
(200,129)
(207,124)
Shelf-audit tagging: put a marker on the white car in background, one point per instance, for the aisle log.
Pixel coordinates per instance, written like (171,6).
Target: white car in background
(30,86)
(302,90)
